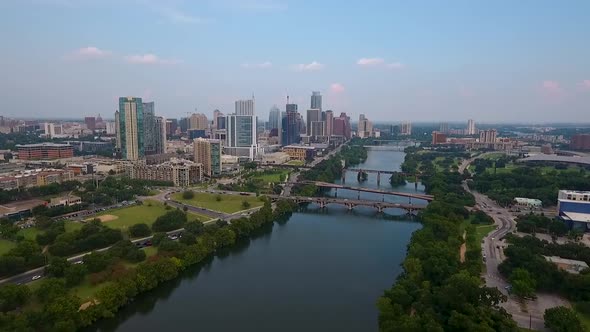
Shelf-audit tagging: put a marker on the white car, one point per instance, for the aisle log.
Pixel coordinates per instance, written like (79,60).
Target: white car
(37,277)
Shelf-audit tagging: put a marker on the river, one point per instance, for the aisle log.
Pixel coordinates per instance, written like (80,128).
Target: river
(322,270)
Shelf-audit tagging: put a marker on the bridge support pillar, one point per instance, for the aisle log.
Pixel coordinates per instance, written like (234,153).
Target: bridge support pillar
(378,178)
(359,195)
(343,176)
(350,206)
(379,209)
(336,192)
(322,204)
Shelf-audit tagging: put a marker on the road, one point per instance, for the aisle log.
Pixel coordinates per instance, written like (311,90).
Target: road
(527,313)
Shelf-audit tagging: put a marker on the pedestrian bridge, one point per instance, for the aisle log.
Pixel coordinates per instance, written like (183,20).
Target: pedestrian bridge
(352,203)
(334,186)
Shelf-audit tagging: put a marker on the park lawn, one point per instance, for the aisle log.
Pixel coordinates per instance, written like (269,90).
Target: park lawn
(5,246)
(275,177)
(483,230)
(71,226)
(228,203)
(30,233)
(296,163)
(146,213)
(86,291)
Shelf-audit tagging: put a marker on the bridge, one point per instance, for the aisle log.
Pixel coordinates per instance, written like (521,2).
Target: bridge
(334,186)
(376,171)
(352,203)
(386,147)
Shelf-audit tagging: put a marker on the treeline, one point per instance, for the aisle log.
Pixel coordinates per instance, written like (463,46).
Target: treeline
(532,223)
(60,310)
(112,190)
(330,169)
(7,196)
(529,182)
(418,160)
(530,272)
(482,164)
(435,292)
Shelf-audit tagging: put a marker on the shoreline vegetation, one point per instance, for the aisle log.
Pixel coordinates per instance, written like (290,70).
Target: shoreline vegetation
(436,291)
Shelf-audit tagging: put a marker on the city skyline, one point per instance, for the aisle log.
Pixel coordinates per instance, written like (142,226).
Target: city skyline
(484,72)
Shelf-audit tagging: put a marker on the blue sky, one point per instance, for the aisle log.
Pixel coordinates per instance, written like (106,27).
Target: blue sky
(494,61)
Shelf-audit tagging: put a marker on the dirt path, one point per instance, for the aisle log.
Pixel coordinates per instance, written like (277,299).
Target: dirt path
(463,248)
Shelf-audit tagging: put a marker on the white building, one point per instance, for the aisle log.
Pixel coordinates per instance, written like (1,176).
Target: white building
(470,127)
(245,107)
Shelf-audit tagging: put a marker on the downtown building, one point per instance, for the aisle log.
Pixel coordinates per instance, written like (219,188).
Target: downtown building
(207,152)
(290,129)
(44,151)
(241,135)
(341,127)
(181,172)
(365,127)
(139,131)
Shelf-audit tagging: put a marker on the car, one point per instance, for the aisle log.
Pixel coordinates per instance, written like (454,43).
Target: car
(37,277)
(79,262)
(498,212)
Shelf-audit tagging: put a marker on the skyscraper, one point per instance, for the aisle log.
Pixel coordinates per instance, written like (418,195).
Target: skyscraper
(444,128)
(487,136)
(341,126)
(183,124)
(329,122)
(241,135)
(198,121)
(274,118)
(130,128)
(406,128)
(316,100)
(365,127)
(245,107)
(313,115)
(208,153)
(90,122)
(470,127)
(160,133)
(149,128)
(216,115)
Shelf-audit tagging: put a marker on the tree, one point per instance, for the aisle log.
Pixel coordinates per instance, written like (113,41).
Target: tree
(562,319)
(50,289)
(96,261)
(523,284)
(172,220)
(57,267)
(188,194)
(188,239)
(75,274)
(218,198)
(13,296)
(158,237)
(194,227)
(245,204)
(140,230)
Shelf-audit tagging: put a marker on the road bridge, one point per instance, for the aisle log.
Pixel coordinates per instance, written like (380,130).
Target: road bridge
(378,172)
(352,203)
(369,190)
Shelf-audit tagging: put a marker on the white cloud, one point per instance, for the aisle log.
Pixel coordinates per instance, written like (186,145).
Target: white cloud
(395,65)
(150,59)
(90,52)
(314,65)
(369,61)
(337,87)
(266,64)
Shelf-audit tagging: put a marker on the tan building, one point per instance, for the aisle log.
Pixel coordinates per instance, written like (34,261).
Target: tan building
(198,121)
(181,172)
(299,152)
(275,158)
(487,136)
(208,153)
(40,177)
(65,201)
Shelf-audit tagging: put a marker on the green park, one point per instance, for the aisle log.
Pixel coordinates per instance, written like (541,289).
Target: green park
(220,202)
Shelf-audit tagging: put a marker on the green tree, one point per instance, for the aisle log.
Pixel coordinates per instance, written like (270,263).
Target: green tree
(188,238)
(172,220)
(140,230)
(245,204)
(57,267)
(188,194)
(13,296)
(158,237)
(96,261)
(50,289)
(523,284)
(194,227)
(562,319)
(75,274)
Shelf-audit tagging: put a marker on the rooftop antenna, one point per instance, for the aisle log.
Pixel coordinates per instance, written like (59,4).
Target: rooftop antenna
(287,99)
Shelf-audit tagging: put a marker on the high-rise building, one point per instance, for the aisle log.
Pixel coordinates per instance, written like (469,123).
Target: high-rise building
(90,122)
(171,127)
(313,115)
(487,136)
(444,128)
(130,136)
(160,134)
(198,121)
(274,118)
(221,122)
(52,129)
(208,153)
(580,142)
(341,126)
(111,128)
(184,124)
(149,128)
(406,128)
(471,127)
(290,133)
(316,100)
(438,138)
(329,122)
(181,172)
(216,114)
(241,135)
(365,127)
(245,107)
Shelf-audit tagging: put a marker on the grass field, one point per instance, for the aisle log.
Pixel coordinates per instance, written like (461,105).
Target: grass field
(146,213)
(584,318)
(86,290)
(483,230)
(296,163)
(275,177)
(228,203)
(30,233)
(5,246)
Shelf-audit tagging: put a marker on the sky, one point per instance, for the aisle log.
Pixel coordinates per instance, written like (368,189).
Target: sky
(493,61)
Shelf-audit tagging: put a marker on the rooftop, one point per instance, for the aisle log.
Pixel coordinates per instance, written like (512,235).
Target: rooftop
(576,216)
(569,265)
(41,145)
(531,201)
(556,158)
(299,147)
